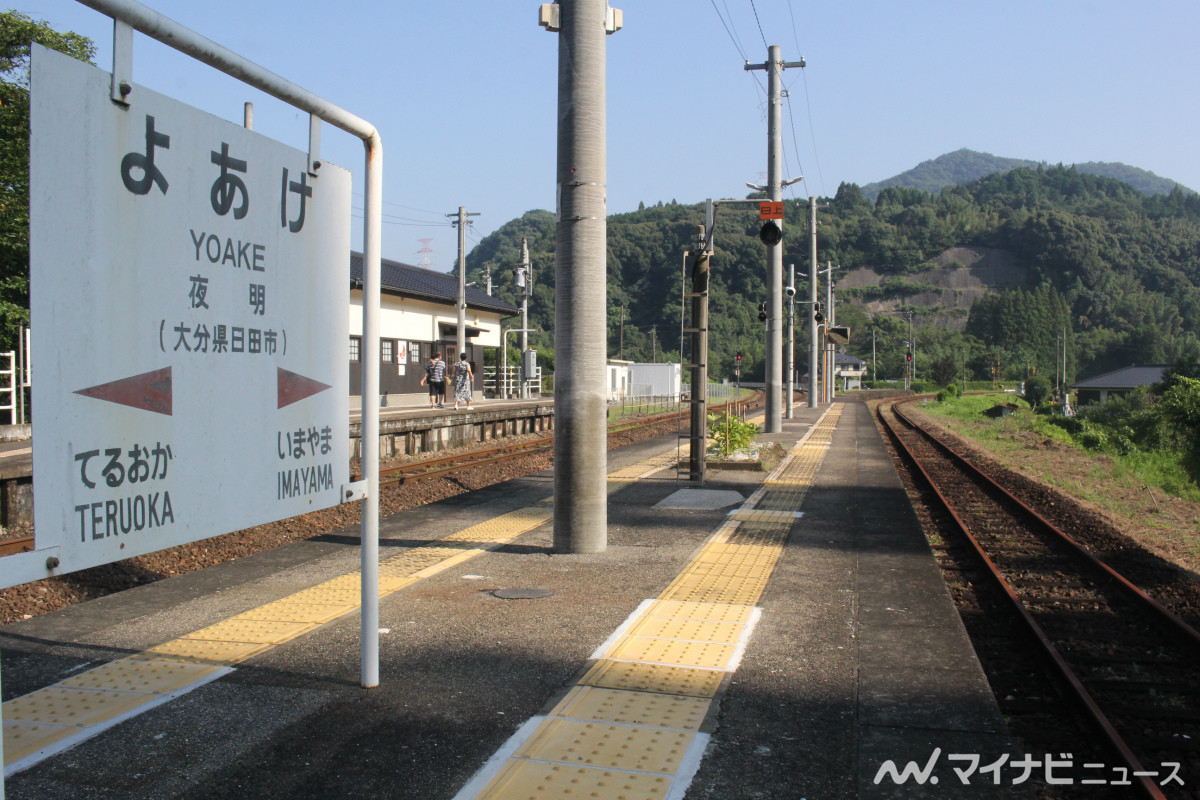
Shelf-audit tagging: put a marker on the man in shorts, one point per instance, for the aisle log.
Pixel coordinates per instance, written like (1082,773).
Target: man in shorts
(435,379)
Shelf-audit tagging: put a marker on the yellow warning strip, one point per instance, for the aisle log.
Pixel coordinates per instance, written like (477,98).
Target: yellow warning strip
(631,726)
(56,717)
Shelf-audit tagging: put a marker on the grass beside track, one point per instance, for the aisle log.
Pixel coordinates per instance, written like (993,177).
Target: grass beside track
(1148,495)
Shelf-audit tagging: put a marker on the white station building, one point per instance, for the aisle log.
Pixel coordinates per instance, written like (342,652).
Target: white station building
(419,317)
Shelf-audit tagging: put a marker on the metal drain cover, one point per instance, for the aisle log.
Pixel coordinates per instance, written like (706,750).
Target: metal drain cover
(522,594)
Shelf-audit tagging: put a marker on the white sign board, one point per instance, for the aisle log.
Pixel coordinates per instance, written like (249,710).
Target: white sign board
(190,295)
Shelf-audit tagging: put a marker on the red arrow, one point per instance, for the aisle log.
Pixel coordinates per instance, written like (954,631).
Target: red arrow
(150,391)
(293,388)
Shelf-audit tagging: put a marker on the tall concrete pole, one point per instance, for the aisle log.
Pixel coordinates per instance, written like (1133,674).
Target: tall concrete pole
(789,348)
(526,288)
(813,341)
(580,452)
(461,222)
(829,387)
(773,422)
(774,373)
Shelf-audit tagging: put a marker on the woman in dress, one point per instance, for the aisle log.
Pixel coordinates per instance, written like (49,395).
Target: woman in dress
(463,378)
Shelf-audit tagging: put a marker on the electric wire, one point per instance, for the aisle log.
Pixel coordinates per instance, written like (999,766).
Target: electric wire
(732,38)
(760,29)
(795,144)
(813,136)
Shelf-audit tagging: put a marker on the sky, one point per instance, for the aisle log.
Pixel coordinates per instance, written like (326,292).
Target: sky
(464,95)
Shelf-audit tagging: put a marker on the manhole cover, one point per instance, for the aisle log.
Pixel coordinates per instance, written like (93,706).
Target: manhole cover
(522,594)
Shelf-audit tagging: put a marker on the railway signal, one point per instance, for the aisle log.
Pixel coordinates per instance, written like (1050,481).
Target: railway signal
(770,234)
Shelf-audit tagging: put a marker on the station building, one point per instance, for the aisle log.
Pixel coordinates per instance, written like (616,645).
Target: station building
(418,316)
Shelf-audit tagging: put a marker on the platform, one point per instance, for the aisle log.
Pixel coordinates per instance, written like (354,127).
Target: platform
(788,644)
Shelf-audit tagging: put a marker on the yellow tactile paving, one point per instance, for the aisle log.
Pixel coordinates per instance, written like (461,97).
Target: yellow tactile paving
(201,651)
(22,739)
(132,675)
(527,779)
(643,468)
(664,679)
(704,655)
(633,708)
(252,630)
(287,611)
(710,612)
(661,675)
(56,705)
(595,744)
(756,515)
(693,630)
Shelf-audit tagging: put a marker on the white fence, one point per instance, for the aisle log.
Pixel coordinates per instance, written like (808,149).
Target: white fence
(508,384)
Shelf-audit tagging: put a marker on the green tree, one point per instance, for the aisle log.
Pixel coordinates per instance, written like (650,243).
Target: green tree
(1037,391)
(1181,404)
(16,32)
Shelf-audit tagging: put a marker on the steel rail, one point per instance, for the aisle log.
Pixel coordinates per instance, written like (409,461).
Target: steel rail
(1114,739)
(1163,614)
(429,468)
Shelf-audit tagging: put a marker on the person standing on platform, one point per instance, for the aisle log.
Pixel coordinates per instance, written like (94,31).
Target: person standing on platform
(463,380)
(435,379)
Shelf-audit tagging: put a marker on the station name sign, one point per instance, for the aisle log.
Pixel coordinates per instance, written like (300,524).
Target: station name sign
(190,302)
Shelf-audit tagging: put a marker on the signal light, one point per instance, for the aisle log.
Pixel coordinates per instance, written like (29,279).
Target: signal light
(762,312)
(771,234)
(739,355)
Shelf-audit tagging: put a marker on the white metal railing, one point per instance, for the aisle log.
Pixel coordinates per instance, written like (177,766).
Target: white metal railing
(8,393)
(505,382)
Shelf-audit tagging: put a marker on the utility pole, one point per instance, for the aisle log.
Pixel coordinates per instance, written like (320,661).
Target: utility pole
(829,386)
(774,66)
(621,345)
(813,341)
(525,284)
(874,375)
(911,373)
(699,260)
(461,223)
(789,350)
(581,233)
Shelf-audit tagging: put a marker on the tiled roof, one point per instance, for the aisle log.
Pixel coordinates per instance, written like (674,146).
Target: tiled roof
(1124,378)
(410,281)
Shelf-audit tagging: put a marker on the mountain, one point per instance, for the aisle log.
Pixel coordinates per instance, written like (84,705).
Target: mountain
(964,166)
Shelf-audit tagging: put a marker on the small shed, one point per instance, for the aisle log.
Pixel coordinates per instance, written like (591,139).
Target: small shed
(655,380)
(1002,410)
(618,379)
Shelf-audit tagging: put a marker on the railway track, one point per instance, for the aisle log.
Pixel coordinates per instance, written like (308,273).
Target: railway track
(1130,667)
(427,468)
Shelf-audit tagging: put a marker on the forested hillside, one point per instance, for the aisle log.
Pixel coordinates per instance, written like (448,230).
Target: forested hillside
(1118,269)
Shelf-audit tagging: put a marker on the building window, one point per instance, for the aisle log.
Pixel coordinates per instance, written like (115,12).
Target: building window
(356,348)
(387,351)
(414,352)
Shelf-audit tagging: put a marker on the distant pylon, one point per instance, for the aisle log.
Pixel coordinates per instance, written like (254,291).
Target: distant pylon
(425,252)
